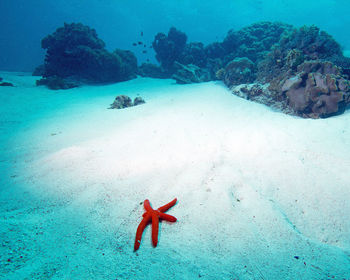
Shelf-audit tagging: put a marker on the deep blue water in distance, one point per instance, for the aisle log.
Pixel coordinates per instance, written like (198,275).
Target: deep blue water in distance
(119,22)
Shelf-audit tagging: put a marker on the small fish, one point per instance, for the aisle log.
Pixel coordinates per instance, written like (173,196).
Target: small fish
(140,43)
(141,33)
(144,51)
(134,44)
(147,60)
(144,46)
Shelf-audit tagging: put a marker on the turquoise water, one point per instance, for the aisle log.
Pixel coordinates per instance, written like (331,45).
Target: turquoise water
(25,23)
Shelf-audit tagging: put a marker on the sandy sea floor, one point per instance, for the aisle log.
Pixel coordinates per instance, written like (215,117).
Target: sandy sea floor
(261,195)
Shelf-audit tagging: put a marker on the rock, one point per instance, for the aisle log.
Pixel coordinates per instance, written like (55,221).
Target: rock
(239,71)
(193,53)
(74,51)
(187,74)
(6,84)
(260,93)
(293,82)
(121,101)
(152,71)
(138,101)
(169,47)
(124,101)
(128,67)
(317,89)
(55,83)
(39,70)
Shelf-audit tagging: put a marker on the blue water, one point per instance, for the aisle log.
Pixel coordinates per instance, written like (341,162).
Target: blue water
(119,23)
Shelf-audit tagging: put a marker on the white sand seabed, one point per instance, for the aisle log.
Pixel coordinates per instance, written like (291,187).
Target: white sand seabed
(261,195)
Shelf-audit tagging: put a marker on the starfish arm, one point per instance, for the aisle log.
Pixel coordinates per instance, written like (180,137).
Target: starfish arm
(155,229)
(167,206)
(167,217)
(140,230)
(147,205)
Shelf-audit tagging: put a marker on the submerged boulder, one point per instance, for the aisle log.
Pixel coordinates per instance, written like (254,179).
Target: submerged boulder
(55,83)
(317,90)
(169,47)
(239,71)
(74,51)
(187,74)
(152,71)
(124,101)
(6,84)
(138,101)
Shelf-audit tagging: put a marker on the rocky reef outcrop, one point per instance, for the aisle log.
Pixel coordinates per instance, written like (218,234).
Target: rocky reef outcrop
(316,90)
(74,51)
(153,71)
(301,71)
(241,70)
(56,83)
(5,84)
(169,48)
(190,73)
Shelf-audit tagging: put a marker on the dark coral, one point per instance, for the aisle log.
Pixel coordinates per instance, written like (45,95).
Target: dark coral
(169,47)
(254,40)
(39,70)
(128,68)
(241,70)
(194,53)
(296,46)
(55,83)
(314,43)
(152,71)
(6,84)
(190,73)
(75,51)
(215,50)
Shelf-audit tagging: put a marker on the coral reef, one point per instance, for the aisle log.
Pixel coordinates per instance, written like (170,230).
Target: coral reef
(55,83)
(193,53)
(254,40)
(75,51)
(128,67)
(186,74)
(39,70)
(300,71)
(296,46)
(316,90)
(260,93)
(152,71)
(314,44)
(169,47)
(241,70)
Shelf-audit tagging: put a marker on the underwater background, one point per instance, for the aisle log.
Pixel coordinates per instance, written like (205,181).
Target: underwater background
(230,116)
(119,23)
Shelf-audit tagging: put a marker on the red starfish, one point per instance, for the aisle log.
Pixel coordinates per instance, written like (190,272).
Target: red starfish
(153,215)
